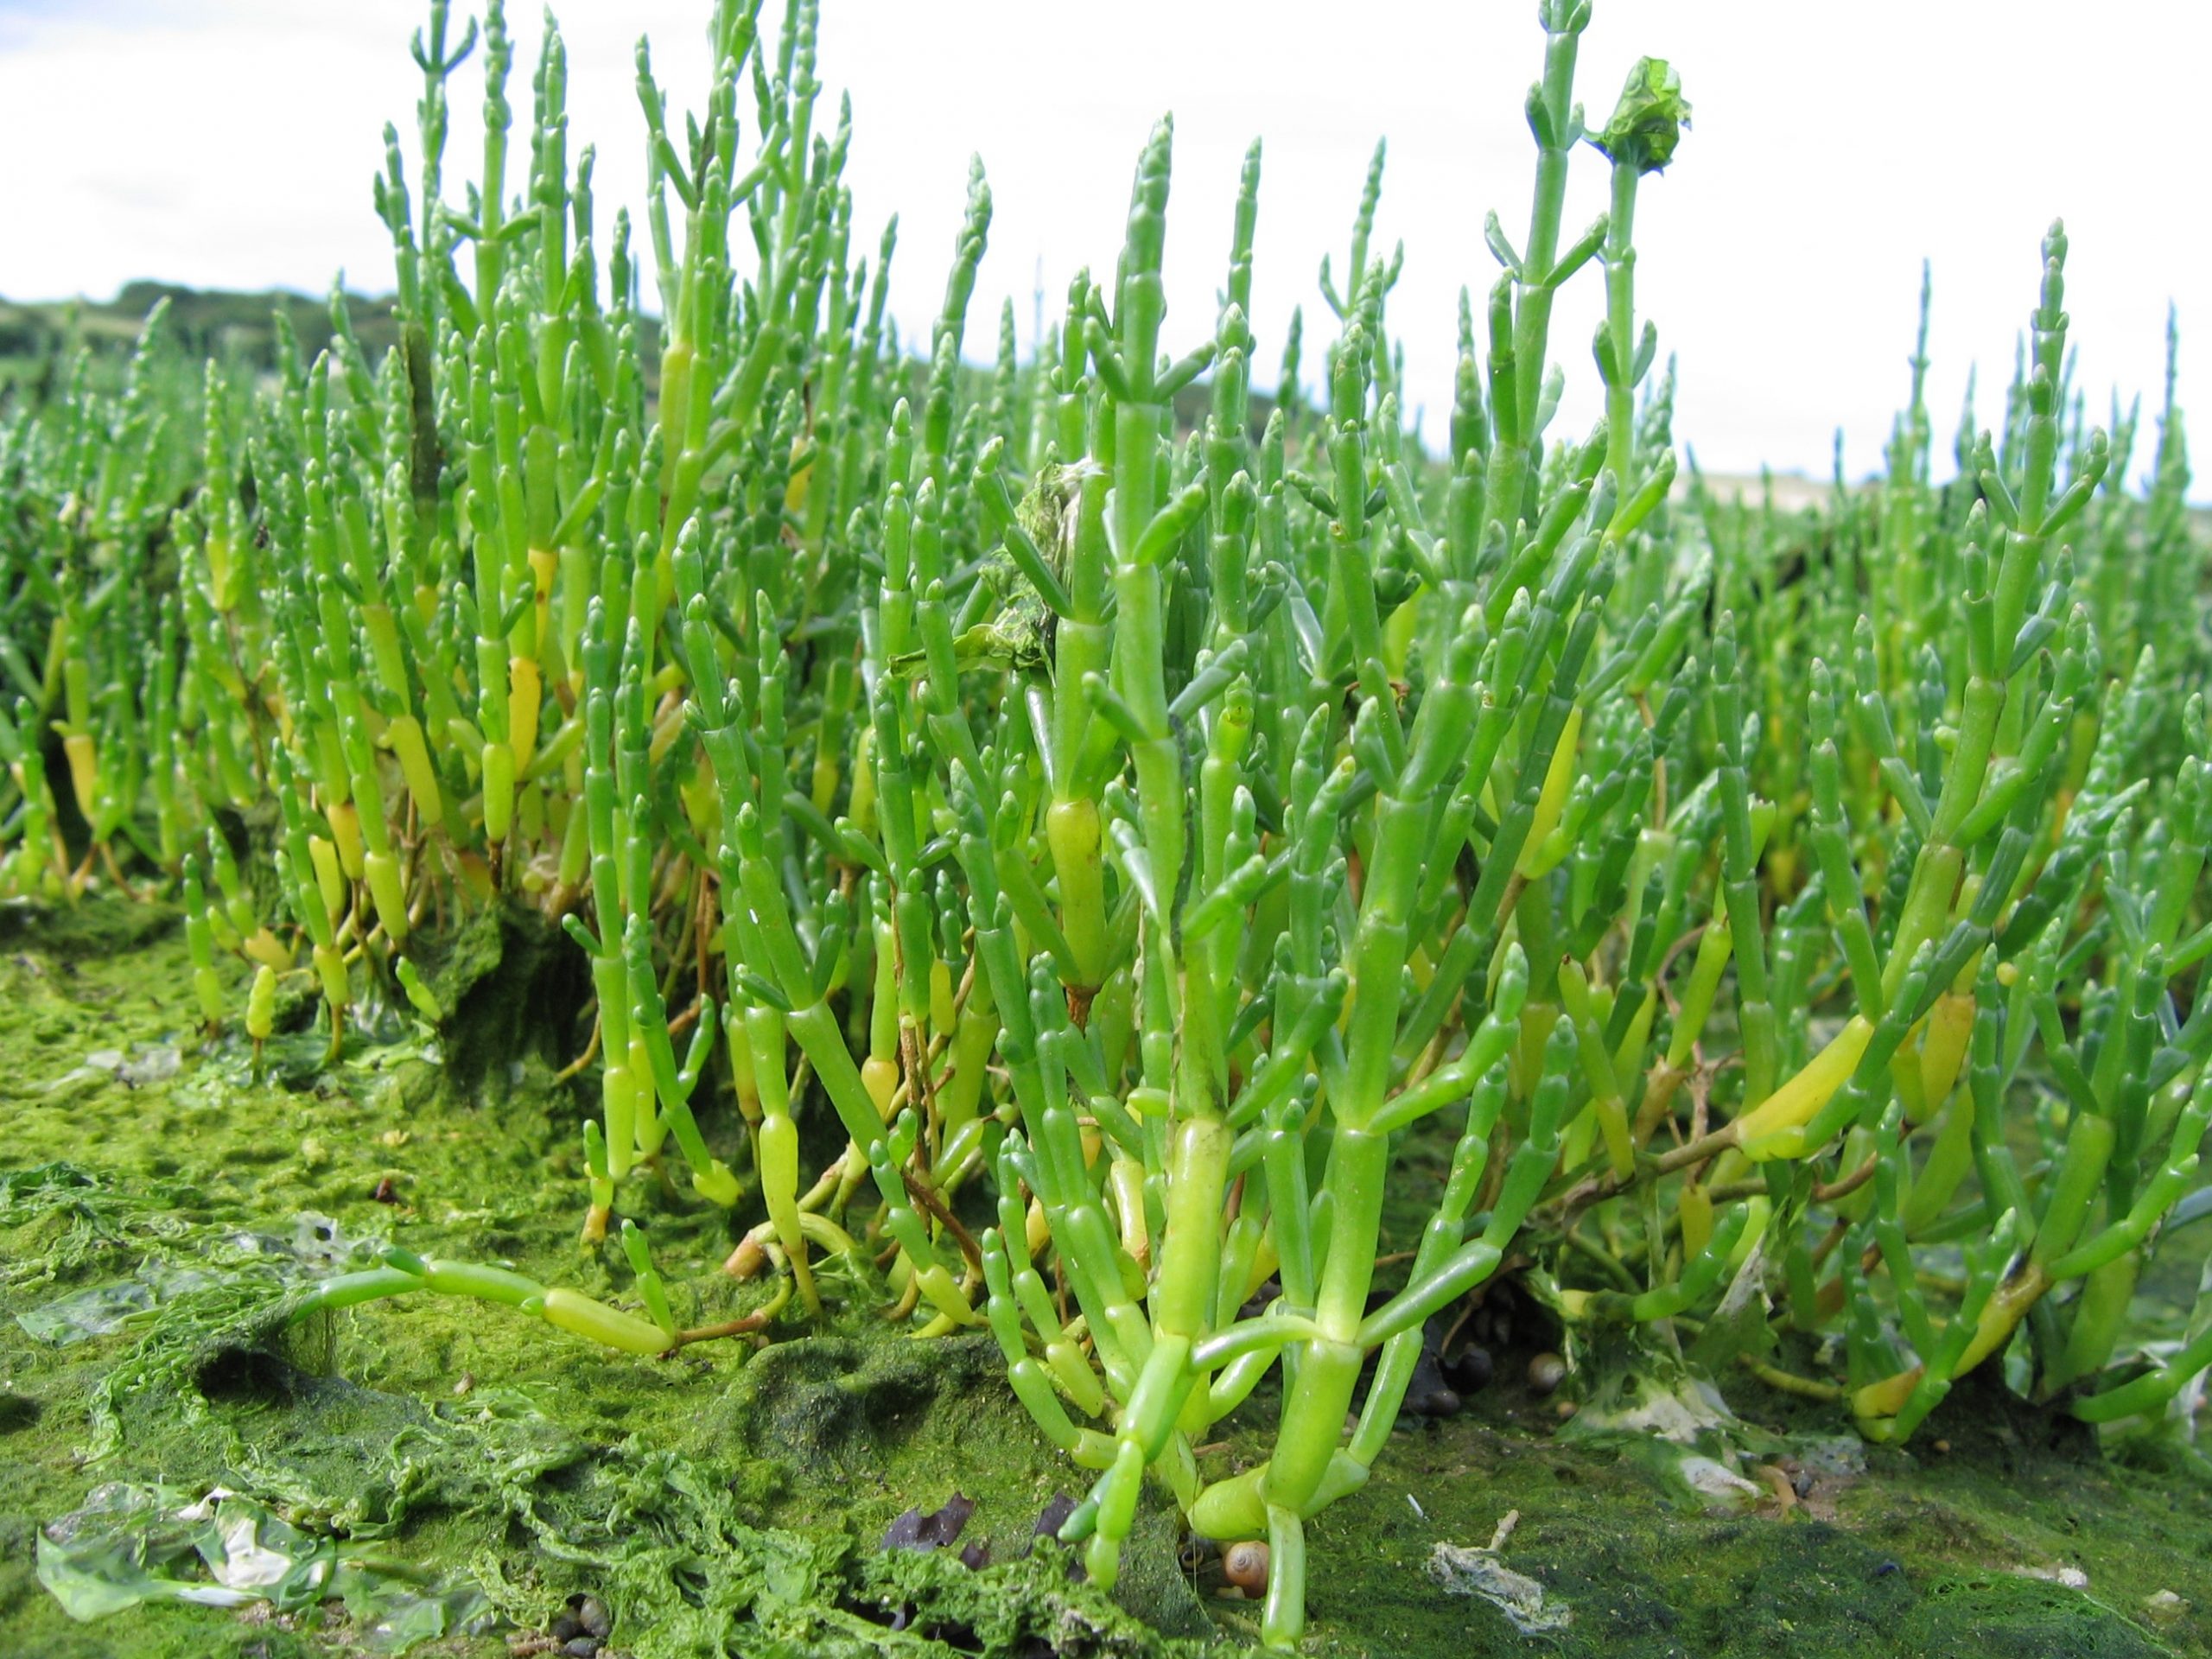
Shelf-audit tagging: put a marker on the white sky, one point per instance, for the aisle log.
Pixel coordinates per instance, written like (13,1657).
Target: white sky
(231,142)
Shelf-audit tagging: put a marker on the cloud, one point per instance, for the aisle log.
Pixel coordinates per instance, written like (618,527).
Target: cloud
(233,143)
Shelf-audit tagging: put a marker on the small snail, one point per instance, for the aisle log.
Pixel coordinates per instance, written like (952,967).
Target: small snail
(1245,1566)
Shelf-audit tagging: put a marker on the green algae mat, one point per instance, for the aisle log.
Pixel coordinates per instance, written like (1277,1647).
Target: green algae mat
(184,1470)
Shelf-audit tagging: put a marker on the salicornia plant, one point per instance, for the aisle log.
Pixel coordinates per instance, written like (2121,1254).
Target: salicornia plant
(1116,808)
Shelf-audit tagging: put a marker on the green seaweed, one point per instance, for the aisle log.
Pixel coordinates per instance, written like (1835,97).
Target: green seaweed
(733,1501)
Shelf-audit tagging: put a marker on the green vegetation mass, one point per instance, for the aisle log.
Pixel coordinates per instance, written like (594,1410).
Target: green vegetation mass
(1206,899)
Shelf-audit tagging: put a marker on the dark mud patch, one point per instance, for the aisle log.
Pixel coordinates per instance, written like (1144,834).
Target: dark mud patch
(513,988)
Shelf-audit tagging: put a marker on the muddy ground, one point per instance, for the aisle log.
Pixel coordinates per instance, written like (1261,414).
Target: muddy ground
(456,1476)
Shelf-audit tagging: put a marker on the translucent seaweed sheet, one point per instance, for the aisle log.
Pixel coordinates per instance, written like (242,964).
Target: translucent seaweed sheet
(132,1544)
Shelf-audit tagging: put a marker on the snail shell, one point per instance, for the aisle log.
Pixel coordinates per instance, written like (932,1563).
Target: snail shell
(1245,1566)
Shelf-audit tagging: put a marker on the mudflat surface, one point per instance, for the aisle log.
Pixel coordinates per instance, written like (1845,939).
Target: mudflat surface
(462,1469)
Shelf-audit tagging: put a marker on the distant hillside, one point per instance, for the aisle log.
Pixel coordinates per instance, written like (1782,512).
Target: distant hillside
(237,328)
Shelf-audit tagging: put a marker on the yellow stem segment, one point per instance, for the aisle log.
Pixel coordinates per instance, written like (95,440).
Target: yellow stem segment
(1764,1132)
(1549,804)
